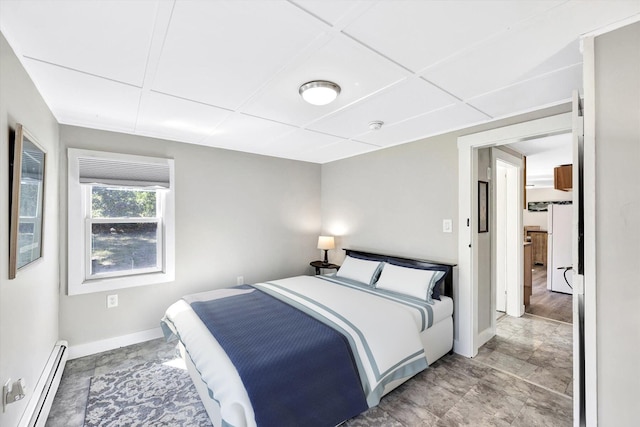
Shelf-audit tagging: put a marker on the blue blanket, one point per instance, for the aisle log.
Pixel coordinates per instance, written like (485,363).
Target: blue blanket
(296,370)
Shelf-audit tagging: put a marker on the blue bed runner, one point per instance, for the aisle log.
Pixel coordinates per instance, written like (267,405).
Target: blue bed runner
(297,371)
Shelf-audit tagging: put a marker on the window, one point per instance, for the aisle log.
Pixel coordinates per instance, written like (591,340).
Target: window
(123,231)
(120,226)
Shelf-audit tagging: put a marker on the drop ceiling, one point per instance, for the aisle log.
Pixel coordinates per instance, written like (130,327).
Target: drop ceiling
(226,73)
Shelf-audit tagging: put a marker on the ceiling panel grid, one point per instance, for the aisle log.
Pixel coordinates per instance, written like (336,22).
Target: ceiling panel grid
(226,73)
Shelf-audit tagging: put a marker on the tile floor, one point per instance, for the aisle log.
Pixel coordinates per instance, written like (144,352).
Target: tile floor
(521,377)
(548,304)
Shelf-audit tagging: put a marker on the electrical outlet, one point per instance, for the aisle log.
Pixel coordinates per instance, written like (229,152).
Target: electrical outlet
(240,280)
(6,389)
(12,392)
(112,301)
(447,226)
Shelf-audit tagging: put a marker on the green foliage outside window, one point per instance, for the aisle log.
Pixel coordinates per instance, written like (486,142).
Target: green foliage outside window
(109,202)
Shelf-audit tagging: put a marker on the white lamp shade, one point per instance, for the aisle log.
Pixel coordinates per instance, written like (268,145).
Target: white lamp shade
(326,242)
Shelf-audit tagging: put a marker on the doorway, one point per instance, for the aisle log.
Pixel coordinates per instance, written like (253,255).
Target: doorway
(549,297)
(469,335)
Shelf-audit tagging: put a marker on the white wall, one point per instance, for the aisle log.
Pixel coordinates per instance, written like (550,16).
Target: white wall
(237,214)
(28,303)
(617,144)
(542,195)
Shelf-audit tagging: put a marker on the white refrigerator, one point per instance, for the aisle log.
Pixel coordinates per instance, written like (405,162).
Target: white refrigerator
(559,232)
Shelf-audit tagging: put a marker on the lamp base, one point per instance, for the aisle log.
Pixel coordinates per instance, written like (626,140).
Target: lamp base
(326,259)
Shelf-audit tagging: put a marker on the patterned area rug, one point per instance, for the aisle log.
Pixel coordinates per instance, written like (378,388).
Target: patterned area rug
(149,394)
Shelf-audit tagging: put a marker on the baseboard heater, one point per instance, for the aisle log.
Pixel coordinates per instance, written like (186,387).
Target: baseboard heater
(37,411)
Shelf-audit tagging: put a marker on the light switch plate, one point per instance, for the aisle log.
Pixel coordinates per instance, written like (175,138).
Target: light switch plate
(447,226)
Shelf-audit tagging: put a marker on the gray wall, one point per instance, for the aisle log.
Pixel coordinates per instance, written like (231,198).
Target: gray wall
(485,260)
(617,225)
(28,303)
(237,214)
(394,200)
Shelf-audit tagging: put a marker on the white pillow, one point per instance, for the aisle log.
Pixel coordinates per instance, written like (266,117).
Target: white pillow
(361,270)
(409,281)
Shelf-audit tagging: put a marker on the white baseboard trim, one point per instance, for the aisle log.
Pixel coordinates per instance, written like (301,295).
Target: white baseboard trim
(81,350)
(461,348)
(485,336)
(37,410)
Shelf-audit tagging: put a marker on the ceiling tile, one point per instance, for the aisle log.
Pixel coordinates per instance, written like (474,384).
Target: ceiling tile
(436,122)
(410,98)
(421,33)
(358,71)
(107,39)
(334,11)
(337,151)
(493,65)
(548,42)
(164,116)
(84,100)
(246,133)
(299,141)
(220,53)
(551,88)
(226,73)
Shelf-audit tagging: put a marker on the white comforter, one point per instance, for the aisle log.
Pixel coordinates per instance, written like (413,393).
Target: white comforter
(384,337)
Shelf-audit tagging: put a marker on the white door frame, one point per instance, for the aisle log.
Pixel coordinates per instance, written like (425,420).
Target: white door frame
(515,290)
(467,341)
(499,244)
(589,202)
(513,248)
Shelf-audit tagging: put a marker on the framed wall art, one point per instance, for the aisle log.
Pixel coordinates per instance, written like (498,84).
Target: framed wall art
(26,210)
(483,206)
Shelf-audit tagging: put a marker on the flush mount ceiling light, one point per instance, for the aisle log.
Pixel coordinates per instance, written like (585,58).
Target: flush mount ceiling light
(319,92)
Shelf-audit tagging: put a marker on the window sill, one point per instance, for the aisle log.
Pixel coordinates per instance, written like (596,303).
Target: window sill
(115,283)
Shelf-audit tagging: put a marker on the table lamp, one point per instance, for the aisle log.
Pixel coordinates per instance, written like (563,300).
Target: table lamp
(326,243)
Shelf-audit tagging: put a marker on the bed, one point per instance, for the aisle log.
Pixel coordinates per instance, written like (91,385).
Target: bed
(314,350)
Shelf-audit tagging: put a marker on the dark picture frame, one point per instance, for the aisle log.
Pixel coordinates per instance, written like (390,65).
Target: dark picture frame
(27,162)
(483,206)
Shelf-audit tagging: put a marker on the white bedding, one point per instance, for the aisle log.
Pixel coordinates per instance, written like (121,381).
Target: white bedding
(384,335)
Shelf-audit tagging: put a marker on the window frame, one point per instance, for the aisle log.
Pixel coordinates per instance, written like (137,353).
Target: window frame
(79,229)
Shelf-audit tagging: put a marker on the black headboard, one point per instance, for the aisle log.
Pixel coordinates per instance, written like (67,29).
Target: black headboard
(408,262)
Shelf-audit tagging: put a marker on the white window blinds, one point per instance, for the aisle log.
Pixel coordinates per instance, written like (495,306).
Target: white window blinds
(109,171)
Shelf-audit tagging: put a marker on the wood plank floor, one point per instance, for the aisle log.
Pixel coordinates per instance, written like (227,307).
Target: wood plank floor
(548,304)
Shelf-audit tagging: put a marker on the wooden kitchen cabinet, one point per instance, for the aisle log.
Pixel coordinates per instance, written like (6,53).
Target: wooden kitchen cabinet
(563,177)
(539,246)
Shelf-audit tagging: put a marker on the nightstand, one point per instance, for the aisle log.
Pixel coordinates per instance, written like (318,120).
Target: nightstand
(319,264)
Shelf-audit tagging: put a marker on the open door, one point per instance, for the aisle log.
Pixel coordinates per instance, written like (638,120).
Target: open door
(579,396)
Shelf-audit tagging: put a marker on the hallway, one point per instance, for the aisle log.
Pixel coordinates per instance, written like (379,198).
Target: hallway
(548,304)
